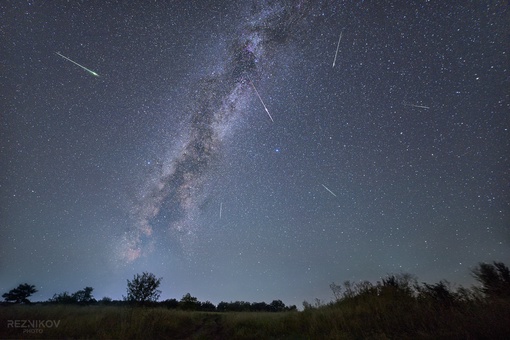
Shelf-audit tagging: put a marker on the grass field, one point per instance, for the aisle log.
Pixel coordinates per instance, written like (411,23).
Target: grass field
(374,319)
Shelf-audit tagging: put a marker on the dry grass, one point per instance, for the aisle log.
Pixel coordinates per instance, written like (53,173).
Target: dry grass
(375,318)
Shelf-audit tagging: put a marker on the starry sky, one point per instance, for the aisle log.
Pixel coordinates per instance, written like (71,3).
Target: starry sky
(251,150)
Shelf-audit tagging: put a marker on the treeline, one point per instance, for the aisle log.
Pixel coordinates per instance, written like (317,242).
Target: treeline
(143,290)
(191,303)
(494,280)
(395,307)
(186,303)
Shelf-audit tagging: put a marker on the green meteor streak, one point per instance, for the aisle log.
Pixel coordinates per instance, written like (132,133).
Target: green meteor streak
(74,62)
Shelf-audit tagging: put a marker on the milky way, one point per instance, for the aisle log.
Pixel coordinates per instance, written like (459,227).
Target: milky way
(395,159)
(219,98)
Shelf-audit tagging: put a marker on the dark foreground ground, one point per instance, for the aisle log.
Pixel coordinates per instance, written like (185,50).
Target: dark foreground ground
(353,320)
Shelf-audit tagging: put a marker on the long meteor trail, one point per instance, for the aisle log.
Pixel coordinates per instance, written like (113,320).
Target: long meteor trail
(74,62)
(331,192)
(418,106)
(337,47)
(258,95)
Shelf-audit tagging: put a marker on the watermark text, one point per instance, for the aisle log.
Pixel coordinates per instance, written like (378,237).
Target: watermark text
(33,326)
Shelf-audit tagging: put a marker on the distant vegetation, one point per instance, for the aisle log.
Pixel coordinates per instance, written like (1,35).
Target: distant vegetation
(397,306)
(80,297)
(20,294)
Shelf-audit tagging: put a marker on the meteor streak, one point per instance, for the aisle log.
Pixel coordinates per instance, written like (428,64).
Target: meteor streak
(258,95)
(337,47)
(418,106)
(331,192)
(221,208)
(74,62)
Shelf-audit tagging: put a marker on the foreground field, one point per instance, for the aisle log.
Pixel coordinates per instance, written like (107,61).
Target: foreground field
(336,321)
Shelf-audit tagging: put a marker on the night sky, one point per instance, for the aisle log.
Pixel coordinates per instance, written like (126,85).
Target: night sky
(155,152)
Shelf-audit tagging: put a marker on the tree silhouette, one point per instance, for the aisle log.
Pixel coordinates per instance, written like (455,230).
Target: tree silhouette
(222,306)
(20,294)
(277,306)
(259,307)
(307,305)
(64,297)
(494,278)
(170,303)
(207,306)
(106,300)
(84,296)
(143,288)
(189,302)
